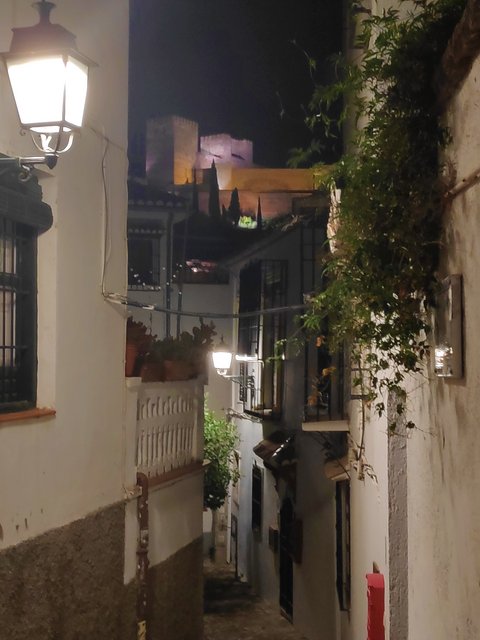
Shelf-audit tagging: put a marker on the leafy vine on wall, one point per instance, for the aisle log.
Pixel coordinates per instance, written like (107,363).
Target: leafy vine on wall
(381,277)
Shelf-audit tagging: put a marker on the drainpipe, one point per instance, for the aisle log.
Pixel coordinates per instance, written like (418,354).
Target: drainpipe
(180,284)
(168,287)
(142,557)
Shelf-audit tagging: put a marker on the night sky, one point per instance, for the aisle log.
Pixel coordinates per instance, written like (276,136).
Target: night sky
(231,66)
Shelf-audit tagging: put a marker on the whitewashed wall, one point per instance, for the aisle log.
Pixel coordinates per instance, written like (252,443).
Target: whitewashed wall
(211,298)
(444,474)
(257,563)
(315,600)
(70,465)
(174,521)
(369,520)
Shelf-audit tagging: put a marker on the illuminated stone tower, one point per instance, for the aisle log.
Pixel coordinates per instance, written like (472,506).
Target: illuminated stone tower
(172,144)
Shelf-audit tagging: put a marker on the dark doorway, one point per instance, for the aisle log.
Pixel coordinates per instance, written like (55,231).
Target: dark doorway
(234,543)
(286,562)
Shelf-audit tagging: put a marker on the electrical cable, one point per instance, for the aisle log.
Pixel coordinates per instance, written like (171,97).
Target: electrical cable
(107,245)
(128,302)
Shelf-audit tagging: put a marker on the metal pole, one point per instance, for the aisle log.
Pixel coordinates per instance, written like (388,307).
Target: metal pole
(142,557)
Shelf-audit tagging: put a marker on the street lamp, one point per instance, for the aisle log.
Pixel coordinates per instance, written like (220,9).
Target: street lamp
(49,78)
(222,359)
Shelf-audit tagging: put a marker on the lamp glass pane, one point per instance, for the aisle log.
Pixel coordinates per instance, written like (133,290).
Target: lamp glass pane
(77,80)
(38,88)
(222,359)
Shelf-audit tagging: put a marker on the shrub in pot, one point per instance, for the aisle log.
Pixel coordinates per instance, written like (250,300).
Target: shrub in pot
(179,358)
(138,342)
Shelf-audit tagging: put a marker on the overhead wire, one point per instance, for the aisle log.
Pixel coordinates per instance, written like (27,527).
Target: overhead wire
(129,302)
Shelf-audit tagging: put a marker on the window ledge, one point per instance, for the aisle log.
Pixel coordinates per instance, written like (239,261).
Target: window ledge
(264,414)
(29,414)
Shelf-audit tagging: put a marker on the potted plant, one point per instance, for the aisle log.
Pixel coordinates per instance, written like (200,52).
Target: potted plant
(173,353)
(202,343)
(166,360)
(179,358)
(138,342)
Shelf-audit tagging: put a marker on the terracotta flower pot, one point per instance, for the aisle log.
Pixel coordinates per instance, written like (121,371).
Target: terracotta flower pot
(131,355)
(178,370)
(152,372)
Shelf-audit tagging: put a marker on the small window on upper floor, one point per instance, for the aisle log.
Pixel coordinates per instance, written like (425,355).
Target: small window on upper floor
(144,268)
(342,508)
(263,286)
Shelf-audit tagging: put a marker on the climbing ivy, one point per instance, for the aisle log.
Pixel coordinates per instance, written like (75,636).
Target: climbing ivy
(381,276)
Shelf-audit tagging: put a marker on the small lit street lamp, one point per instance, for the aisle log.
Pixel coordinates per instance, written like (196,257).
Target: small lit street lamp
(222,359)
(49,78)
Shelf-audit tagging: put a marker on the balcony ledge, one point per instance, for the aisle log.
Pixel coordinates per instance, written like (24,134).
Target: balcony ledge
(174,476)
(325,425)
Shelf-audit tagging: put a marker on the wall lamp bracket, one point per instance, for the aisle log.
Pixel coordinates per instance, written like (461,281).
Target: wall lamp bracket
(23,167)
(243,380)
(246,383)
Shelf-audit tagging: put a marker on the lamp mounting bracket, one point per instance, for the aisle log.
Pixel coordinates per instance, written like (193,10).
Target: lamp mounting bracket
(23,167)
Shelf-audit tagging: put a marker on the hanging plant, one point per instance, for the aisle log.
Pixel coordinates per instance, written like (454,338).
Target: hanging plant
(381,276)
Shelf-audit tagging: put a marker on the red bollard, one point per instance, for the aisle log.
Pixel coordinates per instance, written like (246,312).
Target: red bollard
(376,606)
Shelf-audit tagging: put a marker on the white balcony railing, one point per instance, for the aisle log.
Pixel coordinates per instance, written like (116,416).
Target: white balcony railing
(168,425)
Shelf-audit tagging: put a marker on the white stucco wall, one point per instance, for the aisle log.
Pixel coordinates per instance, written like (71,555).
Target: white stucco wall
(368,519)
(257,563)
(444,475)
(174,512)
(69,465)
(211,298)
(315,600)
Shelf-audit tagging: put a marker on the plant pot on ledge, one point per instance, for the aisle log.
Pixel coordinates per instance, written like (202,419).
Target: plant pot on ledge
(151,371)
(180,358)
(178,370)
(131,355)
(139,341)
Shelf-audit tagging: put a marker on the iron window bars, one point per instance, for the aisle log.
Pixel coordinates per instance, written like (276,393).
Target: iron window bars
(23,216)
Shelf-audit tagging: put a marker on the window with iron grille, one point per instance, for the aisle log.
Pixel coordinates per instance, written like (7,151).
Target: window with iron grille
(250,300)
(22,217)
(342,503)
(324,380)
(144,267)
(263,285)
(324,370)
(17,315)
(257,490)
(274,282)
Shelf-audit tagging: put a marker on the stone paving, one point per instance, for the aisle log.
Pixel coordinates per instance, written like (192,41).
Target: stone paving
(233,612)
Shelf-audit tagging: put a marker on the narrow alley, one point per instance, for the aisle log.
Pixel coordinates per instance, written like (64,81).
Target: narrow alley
(233,612)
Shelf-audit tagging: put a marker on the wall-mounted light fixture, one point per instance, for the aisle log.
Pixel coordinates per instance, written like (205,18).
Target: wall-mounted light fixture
(222,360)
(49,78)
(448,362)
